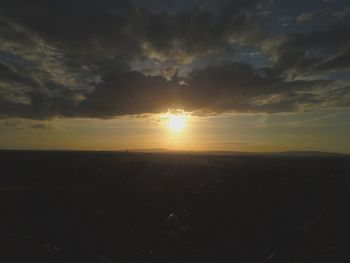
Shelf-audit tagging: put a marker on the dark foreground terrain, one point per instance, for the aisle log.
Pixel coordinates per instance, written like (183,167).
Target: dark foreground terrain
(74,207)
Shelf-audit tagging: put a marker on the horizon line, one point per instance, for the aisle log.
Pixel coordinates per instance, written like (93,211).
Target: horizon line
(165,150)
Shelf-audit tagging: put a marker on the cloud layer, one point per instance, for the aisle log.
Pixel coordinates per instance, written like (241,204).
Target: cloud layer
(111,58)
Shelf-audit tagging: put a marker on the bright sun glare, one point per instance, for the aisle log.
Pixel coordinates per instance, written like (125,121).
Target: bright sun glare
(176,122)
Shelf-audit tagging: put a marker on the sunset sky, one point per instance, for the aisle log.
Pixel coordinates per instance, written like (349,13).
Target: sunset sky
(201,75)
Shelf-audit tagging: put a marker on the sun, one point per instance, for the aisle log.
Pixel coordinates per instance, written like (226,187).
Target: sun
(176,122)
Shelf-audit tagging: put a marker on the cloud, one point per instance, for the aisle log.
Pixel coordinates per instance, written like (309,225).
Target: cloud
(7,74)
(314,14)
(128,93)
(325,13)
(240,88)
(19,123)
(215,89)
(339,61)
(309,53)
(40,126)
(88,31)
(111,58)
(42,106)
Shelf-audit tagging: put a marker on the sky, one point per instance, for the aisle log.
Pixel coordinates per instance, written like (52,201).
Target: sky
(242,75)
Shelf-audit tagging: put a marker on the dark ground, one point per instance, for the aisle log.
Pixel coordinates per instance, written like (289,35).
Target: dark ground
(73,207)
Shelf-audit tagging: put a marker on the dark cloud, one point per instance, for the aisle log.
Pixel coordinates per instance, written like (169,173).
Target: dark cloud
(42,106)
(338,62)
(309,53)
(82,59)
(221,88)
(218,88)
(323,13)
(240,88)
(10,34)
(92,30)
(128,93)
(7,74)
(40,126)
(19,123)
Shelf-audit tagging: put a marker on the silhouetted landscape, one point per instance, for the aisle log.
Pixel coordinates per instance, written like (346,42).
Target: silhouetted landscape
(61,206)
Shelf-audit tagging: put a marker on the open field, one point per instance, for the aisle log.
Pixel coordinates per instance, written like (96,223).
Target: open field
(141,207)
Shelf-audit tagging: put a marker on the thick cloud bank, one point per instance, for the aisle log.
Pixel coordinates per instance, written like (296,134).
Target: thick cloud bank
(111,58)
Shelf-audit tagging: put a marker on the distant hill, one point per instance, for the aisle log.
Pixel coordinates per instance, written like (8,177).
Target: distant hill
(223,153)
(237,153)
(308,153)
(286,153)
